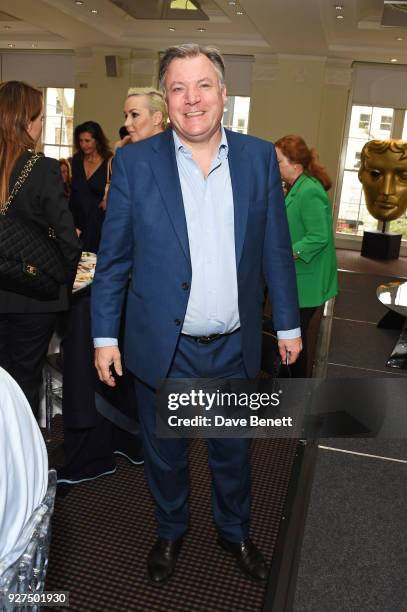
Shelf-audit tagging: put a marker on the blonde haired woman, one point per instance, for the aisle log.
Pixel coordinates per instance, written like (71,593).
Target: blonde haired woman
(145,113)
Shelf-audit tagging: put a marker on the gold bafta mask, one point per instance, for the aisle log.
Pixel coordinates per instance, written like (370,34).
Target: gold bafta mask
(383,174)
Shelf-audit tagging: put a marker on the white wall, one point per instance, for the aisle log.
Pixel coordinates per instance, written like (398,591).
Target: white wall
(302,95)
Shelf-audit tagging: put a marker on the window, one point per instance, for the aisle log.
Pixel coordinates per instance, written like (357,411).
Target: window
(399,226)
(58,122)
(386,122)
(185,5)
(366,123)
(236,113)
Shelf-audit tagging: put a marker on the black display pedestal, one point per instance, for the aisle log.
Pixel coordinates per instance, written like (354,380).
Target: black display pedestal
(381,245)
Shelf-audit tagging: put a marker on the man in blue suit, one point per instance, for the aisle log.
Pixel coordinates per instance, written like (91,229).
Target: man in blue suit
(197,215)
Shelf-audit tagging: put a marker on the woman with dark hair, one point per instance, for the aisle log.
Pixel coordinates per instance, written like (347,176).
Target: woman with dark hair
(91,170)
(309,215)
(27,324)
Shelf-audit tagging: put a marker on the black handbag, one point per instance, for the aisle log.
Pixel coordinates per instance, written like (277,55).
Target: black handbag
(31,263)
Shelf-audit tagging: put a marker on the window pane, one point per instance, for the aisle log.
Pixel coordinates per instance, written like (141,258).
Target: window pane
(52,151)
(355,146)
(399,226)
(236,113)
(379,129)
(360,122)
(367,123)
(52,130)
(58,125)
(404,134)
(65,152)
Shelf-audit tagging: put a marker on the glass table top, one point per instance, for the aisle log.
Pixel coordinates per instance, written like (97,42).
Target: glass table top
(394,296)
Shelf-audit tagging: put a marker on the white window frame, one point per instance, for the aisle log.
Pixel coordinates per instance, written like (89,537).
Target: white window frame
(53,144)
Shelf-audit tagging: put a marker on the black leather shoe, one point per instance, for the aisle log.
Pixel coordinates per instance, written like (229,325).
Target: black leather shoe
(248,557)
(162,559)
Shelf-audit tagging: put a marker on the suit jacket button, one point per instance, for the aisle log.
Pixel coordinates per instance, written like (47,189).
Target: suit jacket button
(185,286)
(177,322)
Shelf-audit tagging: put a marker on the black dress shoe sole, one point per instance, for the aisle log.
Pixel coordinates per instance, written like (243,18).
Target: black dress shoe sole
(160,583)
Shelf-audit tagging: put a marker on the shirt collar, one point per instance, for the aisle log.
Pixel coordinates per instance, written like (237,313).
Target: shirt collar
(181,148)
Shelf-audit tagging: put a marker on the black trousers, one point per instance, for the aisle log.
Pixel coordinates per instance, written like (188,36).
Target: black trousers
(301,368)
(92,447)
(24,340)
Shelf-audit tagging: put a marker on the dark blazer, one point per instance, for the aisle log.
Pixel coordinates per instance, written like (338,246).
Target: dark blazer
(145,233)
(41,201)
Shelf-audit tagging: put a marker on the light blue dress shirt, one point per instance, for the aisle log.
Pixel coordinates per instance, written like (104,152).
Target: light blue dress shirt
(208,201)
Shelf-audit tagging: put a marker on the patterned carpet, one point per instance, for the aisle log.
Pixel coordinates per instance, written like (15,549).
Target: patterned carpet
(103,531)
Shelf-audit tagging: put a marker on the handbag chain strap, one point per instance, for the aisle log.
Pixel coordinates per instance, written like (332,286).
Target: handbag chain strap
(29,165)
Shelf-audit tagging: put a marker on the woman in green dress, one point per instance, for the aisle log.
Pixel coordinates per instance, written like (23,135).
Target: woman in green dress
(309,213)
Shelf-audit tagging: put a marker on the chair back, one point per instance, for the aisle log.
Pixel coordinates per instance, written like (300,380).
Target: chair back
(27,574)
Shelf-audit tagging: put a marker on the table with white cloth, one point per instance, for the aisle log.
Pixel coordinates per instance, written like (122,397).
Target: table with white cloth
(23,469)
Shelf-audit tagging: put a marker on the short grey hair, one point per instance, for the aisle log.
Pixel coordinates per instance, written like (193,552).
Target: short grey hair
(191,50)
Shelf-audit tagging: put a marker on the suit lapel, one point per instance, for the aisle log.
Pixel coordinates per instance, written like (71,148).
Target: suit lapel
(164,165)
(240,176)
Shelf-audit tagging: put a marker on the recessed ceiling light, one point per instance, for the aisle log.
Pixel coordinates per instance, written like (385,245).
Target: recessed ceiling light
(394,59)
(201,29)
(339,16)
(338,7)
(399,38)
(11,45)
(94,11)
(171,29)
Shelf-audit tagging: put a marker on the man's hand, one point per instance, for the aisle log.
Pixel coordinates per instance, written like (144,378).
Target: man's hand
(291,349)
(106,356)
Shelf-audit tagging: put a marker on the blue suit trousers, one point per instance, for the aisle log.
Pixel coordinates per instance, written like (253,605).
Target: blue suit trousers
(166,460)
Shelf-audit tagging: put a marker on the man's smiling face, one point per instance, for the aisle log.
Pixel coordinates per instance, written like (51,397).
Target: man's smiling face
(195,98)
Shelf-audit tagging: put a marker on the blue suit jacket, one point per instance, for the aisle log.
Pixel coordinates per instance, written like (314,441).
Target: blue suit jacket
(145,233)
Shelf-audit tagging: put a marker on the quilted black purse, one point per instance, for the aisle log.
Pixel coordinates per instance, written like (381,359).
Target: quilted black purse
(30,260)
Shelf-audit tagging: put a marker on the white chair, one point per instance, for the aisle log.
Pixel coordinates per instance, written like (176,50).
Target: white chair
(27,491)
(53,387)
(27,574)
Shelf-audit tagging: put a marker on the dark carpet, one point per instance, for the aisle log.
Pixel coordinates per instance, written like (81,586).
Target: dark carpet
(354,551)
(103,531)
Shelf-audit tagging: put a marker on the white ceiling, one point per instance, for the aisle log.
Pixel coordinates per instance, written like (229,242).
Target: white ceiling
(307,27)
